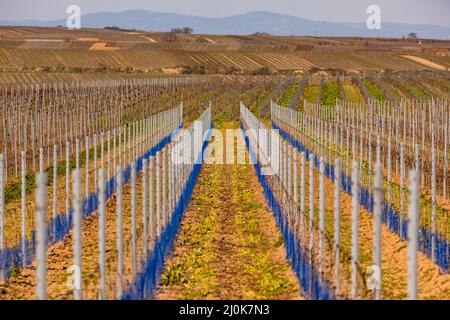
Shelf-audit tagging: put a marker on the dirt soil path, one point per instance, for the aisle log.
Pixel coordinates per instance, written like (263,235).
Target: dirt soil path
(229,246)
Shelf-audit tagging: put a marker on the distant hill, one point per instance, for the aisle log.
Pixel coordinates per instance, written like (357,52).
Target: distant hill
(256,21)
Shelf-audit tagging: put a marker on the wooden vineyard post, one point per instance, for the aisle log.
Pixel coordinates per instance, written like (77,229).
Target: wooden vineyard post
(108,168)
(41,160)
(341,140)
(289,181)
(396,139)
(102,233)
(119,186)
(354,156)
(377,216)
(422,171)
(24,209)
(355,226)
(389,164)
(77,234)
(446,136)
(77,154)
(102,151)
(95,162)
(361,156)
(142,137)
(281,175)
(402,181)
(121,160)
(125,146)
(413,217)
(114,150)
(337,223)
(416,158)
(433,198)
(179,183)
(55,189)
(284,159)
(176,176)
(378,149)
(133,220)
(347,154)
(130,145)
(135,142)
(295,155)
(170,178)
(169,181)
(2,212)
(311,214)
(164,186)
(41,237)
(158,202)
(370,155)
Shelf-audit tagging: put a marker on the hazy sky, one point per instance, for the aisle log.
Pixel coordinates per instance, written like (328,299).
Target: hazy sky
(406,11)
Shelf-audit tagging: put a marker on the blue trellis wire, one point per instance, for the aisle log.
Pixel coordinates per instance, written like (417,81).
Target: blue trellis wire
(390,217)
